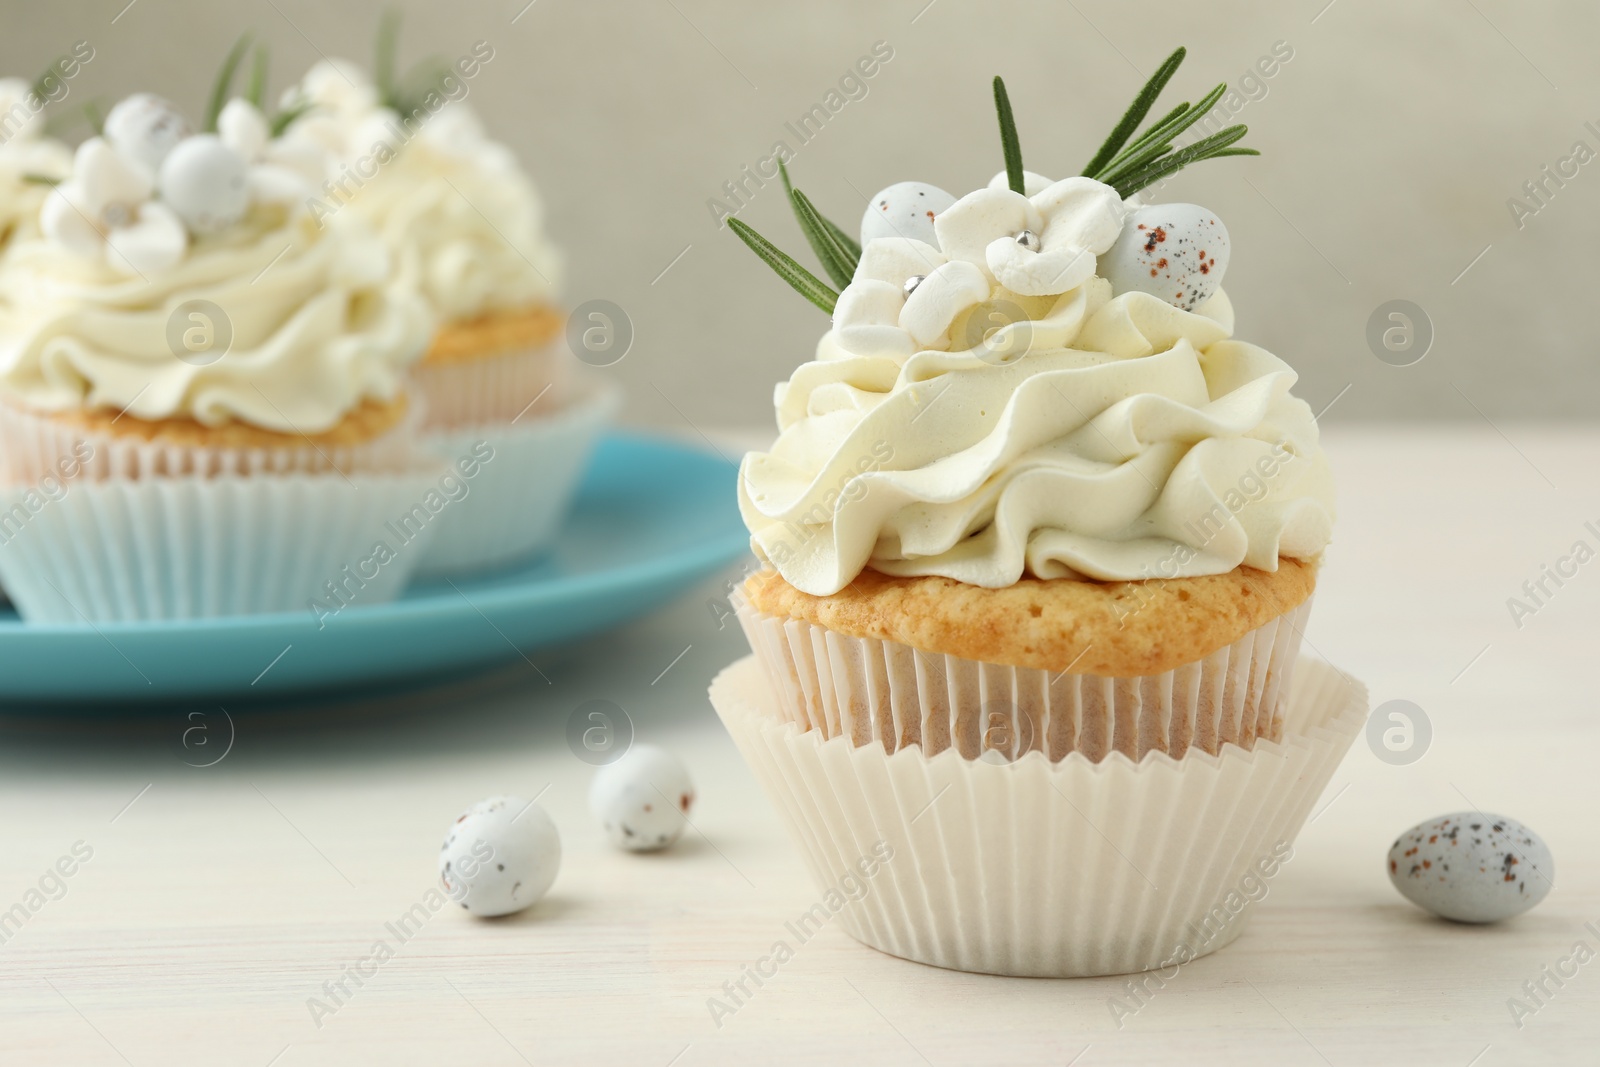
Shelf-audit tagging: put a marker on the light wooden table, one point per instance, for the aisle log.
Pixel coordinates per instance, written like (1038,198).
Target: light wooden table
(218,900)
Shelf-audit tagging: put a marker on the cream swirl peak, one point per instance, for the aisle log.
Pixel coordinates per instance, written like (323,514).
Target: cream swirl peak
(315,328)
(462,219)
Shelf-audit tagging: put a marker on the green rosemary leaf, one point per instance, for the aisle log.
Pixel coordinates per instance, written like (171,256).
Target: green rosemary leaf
(1163,136)
(41,179)
(424,77)
(837,252)
(257,93)
(95,116)
(383,51)
(803,281)
(1155,134)
(224,83)
(1135,114)
(1008,136)
(1234,152)
(41,84)
(836,259)
(1205,148)
(285,118)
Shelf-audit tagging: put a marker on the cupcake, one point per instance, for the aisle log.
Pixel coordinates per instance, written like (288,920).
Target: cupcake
(203,405)
(1039,540)
(465,227)
(30,162)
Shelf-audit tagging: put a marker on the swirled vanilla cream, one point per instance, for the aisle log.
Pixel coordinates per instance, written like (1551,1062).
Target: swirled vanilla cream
(986,407)
(273,322)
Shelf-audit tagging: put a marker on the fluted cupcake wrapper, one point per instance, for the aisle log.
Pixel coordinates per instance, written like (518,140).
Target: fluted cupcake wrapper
(1040,868)
(35,446)
(464,392)
(867,690)
(517,500)
(178,548)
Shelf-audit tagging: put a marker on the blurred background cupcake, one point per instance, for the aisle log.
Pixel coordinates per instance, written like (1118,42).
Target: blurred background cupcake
(1041,539)
(30,159)
(203,401)
(465,226)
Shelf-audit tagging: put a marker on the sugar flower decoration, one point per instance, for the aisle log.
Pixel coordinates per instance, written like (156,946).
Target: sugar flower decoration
(105,211)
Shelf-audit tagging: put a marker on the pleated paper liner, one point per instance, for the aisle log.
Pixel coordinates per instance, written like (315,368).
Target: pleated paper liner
(515,503)
(1040,868)
(464,392)
(34,447)
(870,690)
(154,548)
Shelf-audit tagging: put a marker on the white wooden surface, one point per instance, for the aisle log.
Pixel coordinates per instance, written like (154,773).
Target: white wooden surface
(221,899)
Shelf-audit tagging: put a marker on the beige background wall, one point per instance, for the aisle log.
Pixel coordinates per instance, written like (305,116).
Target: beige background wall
(1392,141)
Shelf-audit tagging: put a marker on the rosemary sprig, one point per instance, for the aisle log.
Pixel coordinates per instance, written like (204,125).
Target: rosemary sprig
(224,83)
(1206,148)
(835,250)
(383,52)
(1158,139)
(1008,137)
(804,282)
(1129,166)
(257,91)
(838,235)
(1136,112)
(836,259)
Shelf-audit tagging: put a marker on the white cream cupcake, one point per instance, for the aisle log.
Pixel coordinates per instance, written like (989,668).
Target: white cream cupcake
(1040,540)
(465,226)
(202,392)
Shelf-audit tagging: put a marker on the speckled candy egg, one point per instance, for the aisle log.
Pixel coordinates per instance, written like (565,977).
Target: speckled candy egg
(1174,252)
(643,798)
(206,183)
(1471,867)
(499,856)
(145,127)
(905,209)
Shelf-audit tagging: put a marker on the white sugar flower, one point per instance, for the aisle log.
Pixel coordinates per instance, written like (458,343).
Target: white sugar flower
(104,211)
(1001,259)
(1040,245)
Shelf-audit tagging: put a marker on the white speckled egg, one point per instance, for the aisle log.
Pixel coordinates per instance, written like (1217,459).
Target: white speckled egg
(145,127)
(1174,252)
(1472,867)
(206,183)
(499,856)
(905,209)
(642,798)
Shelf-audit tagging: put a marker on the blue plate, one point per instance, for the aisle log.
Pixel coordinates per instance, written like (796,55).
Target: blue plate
(651,518)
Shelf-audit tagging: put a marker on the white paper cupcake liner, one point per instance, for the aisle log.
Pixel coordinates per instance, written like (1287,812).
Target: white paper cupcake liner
(517,500)
(34,446)
(464,392)
(870,690)
(180,548)
(1036,868)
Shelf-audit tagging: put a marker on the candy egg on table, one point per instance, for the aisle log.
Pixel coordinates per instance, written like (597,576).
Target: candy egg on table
(206,183)
(145,127)
(1175,252)
(642,798)
(499,856)
(904,209)
(1472,867)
